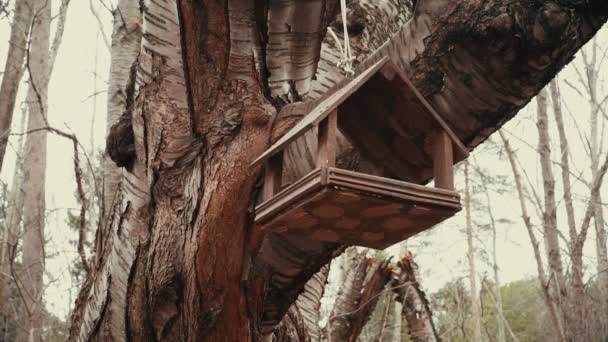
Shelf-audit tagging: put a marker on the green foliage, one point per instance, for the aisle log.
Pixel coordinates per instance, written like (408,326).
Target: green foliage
(523,308)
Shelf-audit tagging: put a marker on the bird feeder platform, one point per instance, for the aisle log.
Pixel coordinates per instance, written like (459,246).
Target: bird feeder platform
(389,123)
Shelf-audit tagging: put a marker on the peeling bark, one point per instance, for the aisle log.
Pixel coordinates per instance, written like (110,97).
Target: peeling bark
(415,304)
(181,259)
(301,324)
(126,43)
(357,298)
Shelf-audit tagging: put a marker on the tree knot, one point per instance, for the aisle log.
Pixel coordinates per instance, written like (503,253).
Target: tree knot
(120,143)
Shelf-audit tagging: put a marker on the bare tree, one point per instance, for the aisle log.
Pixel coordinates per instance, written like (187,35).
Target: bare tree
(566,298)
(589,78)
(550,301)
(13,69)
(34,165)
(475,306)
(180,258)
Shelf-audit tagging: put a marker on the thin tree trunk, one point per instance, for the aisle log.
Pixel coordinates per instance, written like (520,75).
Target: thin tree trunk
(126,43)
(13,218)
(416,308)
(565,160)
(385,315)
(501,337)
(15,200)
(13,69)
(554,311)
(340,322)
(475,307)
(400,321)
(34,174)
(598,213)
(557,276)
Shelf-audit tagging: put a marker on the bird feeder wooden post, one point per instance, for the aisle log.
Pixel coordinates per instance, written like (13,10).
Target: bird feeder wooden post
(393,127)
(443,161)
(326,137)
(272,176)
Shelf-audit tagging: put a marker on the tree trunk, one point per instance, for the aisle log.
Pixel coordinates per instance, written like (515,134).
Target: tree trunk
(126,43)
(180,258)
(13,69)
(552,305)
(475,307)
(385,315)
(416,308)
(564,159)
(356,298)
(549,220)
(34,175)
(497,297)
(15,203)
(592,73)
(12,230)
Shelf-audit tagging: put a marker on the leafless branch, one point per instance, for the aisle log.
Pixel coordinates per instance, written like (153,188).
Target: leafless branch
(80,188)
(63,11)
(100,23)
(12,252)
(4,8)
(595,190)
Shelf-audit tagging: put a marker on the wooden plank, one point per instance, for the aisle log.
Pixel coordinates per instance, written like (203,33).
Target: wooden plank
(327,105)
(443,161)
(272,176)
(326,146)
(312,182)
(355,208)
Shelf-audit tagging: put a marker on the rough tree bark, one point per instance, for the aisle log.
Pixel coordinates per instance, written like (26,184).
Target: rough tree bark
(180,259)
(13,69)
(475,306)
(34,165)
(357,298)
(416,308)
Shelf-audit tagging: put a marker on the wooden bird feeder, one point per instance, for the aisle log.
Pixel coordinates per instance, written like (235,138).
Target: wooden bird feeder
(390,124)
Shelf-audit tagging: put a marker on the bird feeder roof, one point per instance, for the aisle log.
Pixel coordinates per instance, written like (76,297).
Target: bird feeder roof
(384,116)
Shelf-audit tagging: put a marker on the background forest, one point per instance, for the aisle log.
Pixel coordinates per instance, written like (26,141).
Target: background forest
(528,252)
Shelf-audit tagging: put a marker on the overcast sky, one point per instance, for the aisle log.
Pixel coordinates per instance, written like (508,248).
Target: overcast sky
(82,68)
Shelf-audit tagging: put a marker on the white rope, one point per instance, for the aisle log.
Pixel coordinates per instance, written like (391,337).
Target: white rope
(346,62)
